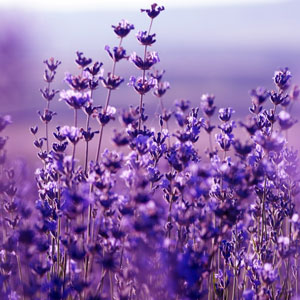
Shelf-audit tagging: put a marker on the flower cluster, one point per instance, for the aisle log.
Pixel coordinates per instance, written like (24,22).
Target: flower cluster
(152,217)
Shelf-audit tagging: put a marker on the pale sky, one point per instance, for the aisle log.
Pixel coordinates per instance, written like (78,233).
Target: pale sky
(80,5)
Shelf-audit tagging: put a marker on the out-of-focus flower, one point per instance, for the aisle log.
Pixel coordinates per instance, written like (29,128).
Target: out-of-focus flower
(225,114)
(105,116)
(207,104)
(161,88)
(285,120)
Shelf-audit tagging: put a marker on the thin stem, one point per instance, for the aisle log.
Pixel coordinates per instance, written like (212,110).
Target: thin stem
(47,109)
(144,73)
(105,108)
(111,285)
(86,146)
(99,143)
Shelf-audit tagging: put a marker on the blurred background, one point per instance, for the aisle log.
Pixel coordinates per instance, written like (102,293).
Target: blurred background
(224,47)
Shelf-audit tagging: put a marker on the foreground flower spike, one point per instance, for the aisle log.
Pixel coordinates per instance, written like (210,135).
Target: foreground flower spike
(150,58)
(113,81)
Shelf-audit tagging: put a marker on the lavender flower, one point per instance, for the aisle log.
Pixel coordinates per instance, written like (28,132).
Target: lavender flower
(161,88)
(225,114)
(123,28)
(74,99)
(145,39)
(151,59)
(154,11)
(142,85)
(207,104)
(112,82)
(282,78)
(117,54)
(285,120)
(52,64)
(82,61)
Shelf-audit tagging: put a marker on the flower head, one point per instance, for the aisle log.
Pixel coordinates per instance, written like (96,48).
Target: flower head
(142,85)
(75,99)
(81,60)
(111,82)
(117,54)
(145,39)
(282,78)
(207,104)
(123,28)
(161,88)
(225,114)
(150,60)
(154,11)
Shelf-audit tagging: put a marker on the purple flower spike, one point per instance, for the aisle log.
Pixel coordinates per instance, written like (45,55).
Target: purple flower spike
(52,64)
(161,89)
(259,96)
(117,54)
(72,133)
(81,60)
(142,86)
(282,78)
(150,60)
(123,28)
(207,104)
(225,114)
(95,69)
(112,81)
(154,11)
(75,99)
(285,120)
(4,121)
(145,39)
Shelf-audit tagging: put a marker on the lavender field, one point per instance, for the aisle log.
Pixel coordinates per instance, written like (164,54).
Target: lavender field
(125,180)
